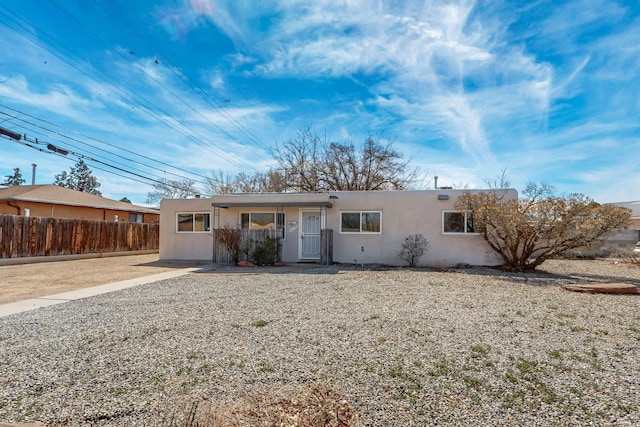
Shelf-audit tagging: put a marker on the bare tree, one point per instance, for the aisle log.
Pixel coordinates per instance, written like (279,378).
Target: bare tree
(171,189)
(539,226)
(260,182)
(302,159)
(312,163)
(501,181)
(222,183)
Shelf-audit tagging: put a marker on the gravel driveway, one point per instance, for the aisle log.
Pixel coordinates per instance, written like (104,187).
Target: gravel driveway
(405,347)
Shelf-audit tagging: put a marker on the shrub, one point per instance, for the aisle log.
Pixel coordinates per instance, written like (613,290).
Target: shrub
(539,225)
(266,252)
(229,237)
(413,247)
(311,405)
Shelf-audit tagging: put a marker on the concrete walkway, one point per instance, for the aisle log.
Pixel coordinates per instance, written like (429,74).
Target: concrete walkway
(35,303)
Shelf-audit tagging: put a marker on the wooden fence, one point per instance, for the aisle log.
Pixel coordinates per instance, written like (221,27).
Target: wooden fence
(326,246)
(249,239)
(22,236)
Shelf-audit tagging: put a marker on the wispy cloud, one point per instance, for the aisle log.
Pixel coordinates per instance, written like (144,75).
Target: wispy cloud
(545,88)
(438,57)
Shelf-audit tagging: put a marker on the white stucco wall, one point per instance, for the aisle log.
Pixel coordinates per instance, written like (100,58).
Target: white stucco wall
(181,246)
(403,213)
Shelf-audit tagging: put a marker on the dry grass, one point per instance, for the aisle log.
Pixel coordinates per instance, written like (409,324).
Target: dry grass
(635,260)
(312,405)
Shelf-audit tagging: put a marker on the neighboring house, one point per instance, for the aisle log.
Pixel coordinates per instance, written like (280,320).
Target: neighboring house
(635,214)
(625,240)
(59,202)
(368,226)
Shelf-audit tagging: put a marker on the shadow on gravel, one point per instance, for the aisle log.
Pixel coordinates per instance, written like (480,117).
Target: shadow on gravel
(173,264)
(302,268)
(544,278)
(538,278)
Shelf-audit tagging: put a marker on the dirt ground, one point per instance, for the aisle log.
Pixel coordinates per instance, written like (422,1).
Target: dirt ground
(24,281)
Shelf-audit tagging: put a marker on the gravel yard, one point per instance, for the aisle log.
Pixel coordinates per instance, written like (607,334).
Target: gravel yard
(405,347)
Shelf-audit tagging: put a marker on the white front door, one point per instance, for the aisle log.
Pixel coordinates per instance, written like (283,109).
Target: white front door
(310,225)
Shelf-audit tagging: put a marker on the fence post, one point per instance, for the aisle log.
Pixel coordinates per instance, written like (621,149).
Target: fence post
(326,246)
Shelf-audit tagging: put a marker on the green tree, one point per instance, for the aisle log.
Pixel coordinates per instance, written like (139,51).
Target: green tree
(79,178)
(15,179)
(539,226)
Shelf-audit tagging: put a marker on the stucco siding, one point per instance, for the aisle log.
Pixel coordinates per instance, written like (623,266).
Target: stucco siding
(66,211)
(184,246)
(403,213)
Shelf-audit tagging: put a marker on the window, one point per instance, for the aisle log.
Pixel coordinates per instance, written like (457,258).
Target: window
(361,222)
(135,218)
(458,222)
(194,222)
(263,221)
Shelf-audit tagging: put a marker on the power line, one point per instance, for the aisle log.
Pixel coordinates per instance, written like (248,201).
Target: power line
(182,76)
(149,109)
(84,154)
(119,19)
(61,153)
(100,141)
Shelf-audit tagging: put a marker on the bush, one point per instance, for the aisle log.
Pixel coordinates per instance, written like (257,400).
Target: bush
(539,225)
(229,237)
(413,247)
(266,252)
(312,405)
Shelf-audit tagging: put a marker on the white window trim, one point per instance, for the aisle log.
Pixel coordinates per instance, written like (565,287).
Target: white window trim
(361,232)
(193,214)
(457,233)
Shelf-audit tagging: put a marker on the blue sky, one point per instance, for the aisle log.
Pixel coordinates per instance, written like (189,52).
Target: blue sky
(549,90)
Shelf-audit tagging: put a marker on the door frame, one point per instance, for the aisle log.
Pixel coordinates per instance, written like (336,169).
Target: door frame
(322,225)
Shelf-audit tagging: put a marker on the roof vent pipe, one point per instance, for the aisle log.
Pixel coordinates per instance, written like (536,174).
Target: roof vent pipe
(435,182)
(33,173)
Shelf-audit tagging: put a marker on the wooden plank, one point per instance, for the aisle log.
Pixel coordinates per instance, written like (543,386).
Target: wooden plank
(326,246)
(603,288)
(38,236)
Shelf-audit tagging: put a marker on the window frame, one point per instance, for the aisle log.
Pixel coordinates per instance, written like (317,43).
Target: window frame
(276,223)
(193,222)
(138,218)
(465,220)
(361,213)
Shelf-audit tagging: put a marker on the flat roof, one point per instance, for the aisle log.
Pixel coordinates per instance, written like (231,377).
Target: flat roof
(325,204)
(247,200)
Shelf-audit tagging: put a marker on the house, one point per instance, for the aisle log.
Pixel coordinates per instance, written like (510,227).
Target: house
(634,225)
(367,226)
(623,241)
(60,202)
